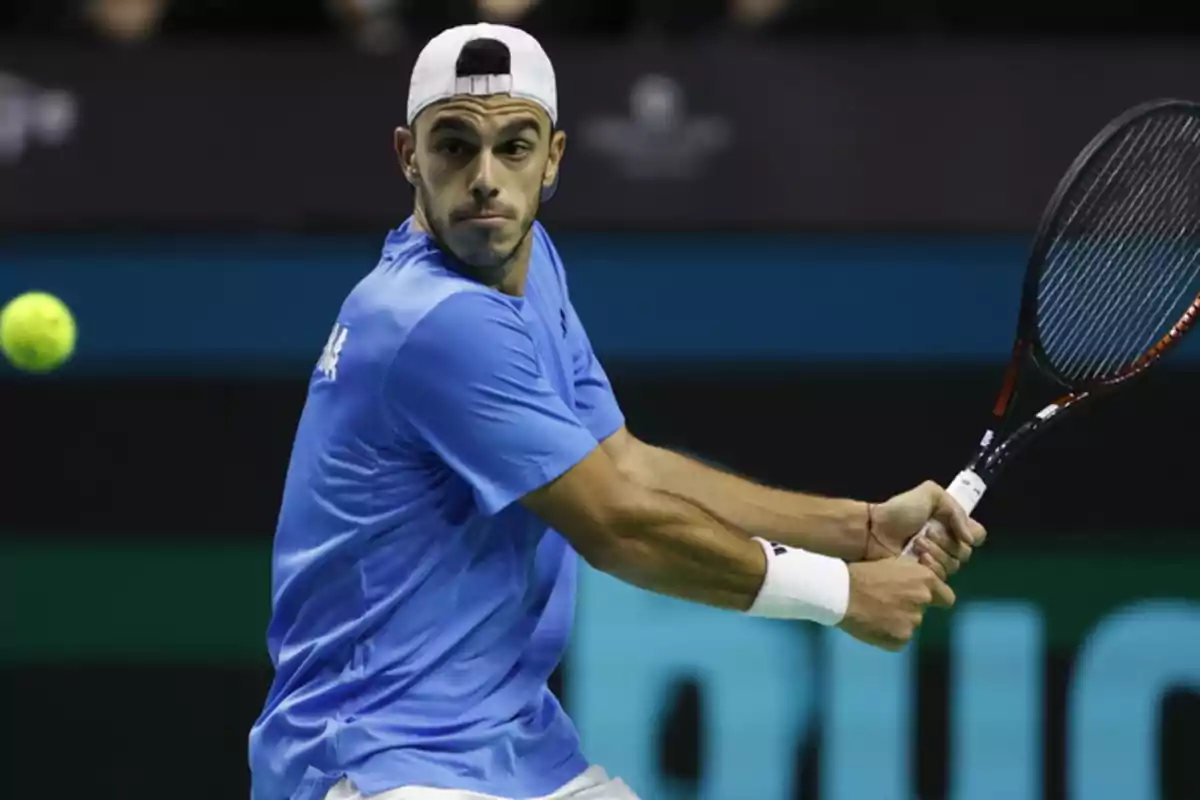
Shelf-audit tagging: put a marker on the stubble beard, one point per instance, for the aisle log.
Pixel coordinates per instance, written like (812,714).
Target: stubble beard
(491,273)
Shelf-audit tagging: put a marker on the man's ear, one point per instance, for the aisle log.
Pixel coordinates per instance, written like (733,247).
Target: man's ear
(406,152)
(558,146)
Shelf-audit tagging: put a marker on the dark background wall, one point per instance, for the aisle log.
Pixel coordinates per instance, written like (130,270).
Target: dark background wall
(822,299)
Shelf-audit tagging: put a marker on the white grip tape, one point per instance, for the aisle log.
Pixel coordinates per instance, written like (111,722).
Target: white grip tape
(802,585)
(967,489)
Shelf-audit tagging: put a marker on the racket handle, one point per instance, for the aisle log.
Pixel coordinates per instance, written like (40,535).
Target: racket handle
(966,489)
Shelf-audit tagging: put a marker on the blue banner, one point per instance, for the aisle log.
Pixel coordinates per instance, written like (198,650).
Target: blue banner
(196,304)
(772,689)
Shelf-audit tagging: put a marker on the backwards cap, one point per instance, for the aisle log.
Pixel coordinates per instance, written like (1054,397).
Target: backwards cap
(482,59)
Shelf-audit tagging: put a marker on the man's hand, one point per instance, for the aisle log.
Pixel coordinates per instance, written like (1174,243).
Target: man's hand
(952,537)
(888,601)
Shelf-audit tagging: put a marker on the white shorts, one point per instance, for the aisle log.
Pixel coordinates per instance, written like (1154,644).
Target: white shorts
(594,784)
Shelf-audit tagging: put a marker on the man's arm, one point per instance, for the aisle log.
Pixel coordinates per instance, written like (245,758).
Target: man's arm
(672,547)
(467,382)
(845,529)
(650,539)
(833,527)
(836,528)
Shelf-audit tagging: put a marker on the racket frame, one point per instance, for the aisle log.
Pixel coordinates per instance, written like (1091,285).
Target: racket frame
(992,454)
(998,446)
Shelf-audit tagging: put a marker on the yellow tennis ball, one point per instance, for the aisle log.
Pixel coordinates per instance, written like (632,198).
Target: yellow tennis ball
(37,332)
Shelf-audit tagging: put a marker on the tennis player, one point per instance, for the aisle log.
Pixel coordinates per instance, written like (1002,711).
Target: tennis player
(461,444)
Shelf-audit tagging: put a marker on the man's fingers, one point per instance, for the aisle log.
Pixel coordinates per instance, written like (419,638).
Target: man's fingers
(948,546)
(943,595)
(930,552)
(939,568)
(954,519)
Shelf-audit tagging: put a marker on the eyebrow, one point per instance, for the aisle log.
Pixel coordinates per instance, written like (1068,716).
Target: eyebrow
(522,124)
(450,124)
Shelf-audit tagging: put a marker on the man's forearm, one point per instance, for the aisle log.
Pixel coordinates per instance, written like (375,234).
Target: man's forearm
(833,527)
(672,547)
(669,545)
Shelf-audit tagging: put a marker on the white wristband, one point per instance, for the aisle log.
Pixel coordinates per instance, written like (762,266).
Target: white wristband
(802,585)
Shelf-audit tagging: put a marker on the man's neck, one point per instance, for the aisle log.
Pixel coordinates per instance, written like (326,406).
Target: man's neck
(508,277)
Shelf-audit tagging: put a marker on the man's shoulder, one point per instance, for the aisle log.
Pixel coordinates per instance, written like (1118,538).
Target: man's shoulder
(401,295)
(414,288)
(404,289)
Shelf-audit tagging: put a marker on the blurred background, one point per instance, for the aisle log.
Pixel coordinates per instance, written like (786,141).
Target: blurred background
(795,230)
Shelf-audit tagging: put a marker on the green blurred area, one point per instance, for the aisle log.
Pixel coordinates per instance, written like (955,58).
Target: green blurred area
(182,602)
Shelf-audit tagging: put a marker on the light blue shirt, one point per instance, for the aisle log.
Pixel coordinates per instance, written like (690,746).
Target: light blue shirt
(418,611)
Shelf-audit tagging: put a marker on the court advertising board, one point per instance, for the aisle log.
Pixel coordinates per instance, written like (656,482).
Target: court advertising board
(828,135)
(1048,680)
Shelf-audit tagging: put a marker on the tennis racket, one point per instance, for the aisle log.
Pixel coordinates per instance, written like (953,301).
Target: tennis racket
(1112,282)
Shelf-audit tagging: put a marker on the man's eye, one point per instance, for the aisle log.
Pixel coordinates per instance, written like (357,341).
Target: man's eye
(451,147)
(517,147)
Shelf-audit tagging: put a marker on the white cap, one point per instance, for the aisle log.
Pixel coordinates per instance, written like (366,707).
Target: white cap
(435,76)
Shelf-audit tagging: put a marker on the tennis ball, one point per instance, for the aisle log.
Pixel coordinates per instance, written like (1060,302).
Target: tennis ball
(37,332)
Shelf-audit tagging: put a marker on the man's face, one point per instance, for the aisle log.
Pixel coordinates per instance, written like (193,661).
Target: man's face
(481,164)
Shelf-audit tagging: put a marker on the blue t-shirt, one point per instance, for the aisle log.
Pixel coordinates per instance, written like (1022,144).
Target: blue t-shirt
(418,611)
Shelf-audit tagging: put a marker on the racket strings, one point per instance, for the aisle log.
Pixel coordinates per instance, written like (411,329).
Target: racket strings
(1143,324)
(1064,328)
(1133,313)
(1060,319)
(1156,299)
(1056,261)
(1124,293)
(1122,266)
(1185,267)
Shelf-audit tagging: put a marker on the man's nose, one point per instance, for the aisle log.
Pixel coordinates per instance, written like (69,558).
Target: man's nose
(483,185)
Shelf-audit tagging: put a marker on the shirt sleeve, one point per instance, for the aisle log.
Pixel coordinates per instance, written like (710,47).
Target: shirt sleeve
(595,402)
(469,381)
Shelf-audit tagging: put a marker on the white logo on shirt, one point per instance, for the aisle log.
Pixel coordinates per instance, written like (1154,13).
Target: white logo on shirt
(333,350)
